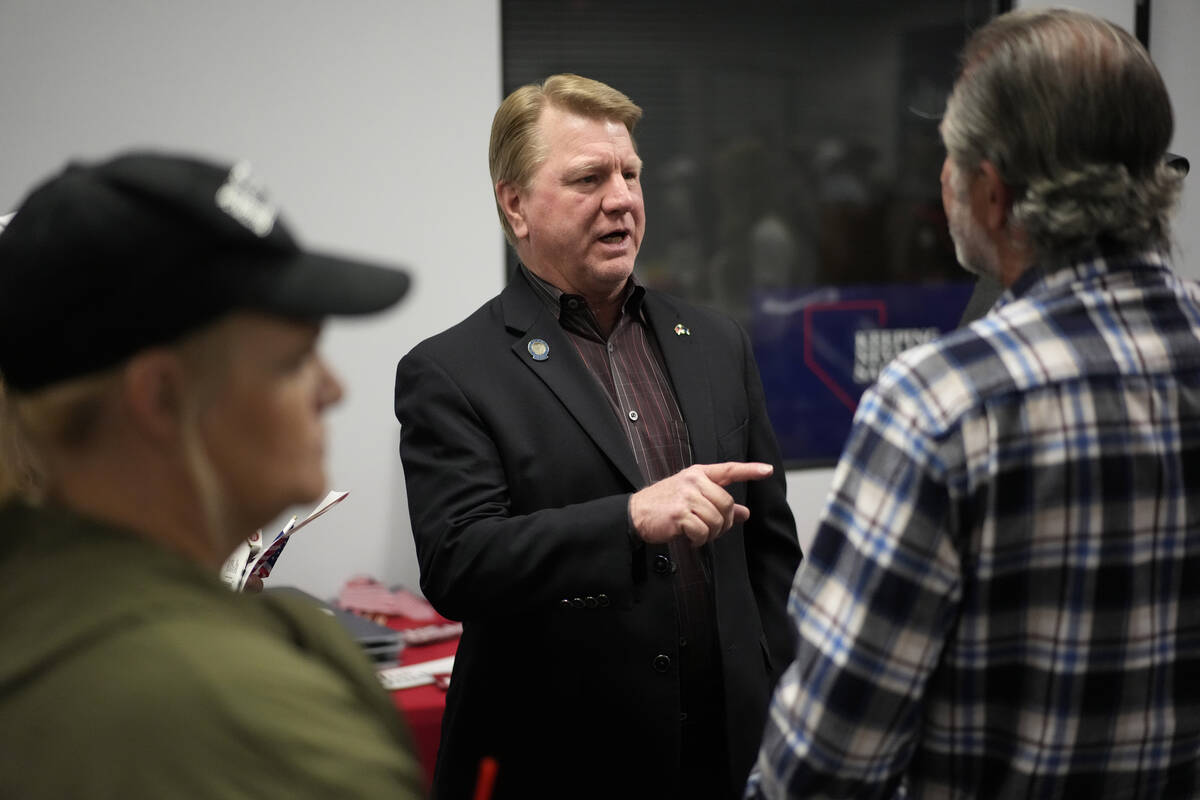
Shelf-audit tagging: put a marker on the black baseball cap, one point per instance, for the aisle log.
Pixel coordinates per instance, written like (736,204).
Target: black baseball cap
(105,259)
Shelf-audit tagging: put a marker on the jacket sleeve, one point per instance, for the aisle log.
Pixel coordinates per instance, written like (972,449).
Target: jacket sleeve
(772,548)
(477,557)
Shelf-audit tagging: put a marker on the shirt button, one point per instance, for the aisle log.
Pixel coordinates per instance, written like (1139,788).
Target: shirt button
(661,663)
(611,347)
(633,415)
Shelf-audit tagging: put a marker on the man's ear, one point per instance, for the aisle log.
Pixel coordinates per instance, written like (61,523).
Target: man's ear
(509,198)
(993,197)
(154,391)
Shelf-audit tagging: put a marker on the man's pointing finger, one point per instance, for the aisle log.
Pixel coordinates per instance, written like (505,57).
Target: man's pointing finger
(729,472)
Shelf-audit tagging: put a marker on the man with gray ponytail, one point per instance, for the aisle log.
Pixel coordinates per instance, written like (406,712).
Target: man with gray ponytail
(1003,595)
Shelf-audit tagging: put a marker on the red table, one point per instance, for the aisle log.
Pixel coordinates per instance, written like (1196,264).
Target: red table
(423,706)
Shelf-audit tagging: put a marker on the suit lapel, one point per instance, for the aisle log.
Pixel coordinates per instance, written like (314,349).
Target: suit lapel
(684,346)
(687,367)
(564,374)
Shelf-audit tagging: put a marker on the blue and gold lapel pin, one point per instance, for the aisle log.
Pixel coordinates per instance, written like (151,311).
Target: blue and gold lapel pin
(539,349)
(682,330)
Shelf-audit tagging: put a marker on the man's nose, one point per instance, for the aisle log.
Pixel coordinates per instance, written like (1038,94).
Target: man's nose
(618,198)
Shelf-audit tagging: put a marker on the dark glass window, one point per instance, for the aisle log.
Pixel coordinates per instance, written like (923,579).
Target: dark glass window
(791,172)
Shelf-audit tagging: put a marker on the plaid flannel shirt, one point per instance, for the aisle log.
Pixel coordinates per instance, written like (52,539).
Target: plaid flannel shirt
(1003,596)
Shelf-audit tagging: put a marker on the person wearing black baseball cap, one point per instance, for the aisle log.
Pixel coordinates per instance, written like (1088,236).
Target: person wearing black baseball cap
(158,330)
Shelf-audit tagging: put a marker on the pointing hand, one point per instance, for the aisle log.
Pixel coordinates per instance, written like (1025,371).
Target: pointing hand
(693,502)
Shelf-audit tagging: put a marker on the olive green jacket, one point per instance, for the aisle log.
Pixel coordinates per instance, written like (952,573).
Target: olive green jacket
(128,672)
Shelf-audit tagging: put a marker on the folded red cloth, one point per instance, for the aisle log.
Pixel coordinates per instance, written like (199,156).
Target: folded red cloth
(365,595)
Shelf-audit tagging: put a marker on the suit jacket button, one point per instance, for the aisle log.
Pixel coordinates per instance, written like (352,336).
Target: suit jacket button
(590,601)
(662,564)
(577,602)
(602,599)
(661,662)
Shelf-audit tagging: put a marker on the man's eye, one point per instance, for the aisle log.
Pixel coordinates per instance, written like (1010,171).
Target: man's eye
(588,179)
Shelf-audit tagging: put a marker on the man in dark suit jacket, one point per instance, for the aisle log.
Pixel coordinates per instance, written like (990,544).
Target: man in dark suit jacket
(595,492)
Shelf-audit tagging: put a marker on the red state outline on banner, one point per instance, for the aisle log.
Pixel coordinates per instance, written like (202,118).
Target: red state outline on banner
(810,359)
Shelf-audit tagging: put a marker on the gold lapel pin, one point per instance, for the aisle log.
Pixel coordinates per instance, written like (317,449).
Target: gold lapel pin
(539,349)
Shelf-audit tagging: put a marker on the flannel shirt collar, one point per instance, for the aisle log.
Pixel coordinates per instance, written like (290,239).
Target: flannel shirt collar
(1040,281)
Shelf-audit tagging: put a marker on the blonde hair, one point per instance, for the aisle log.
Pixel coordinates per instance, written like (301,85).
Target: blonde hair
(516,151)
(66,416)
(61,416)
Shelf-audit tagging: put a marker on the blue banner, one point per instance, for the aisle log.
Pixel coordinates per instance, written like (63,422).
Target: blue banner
(818,348)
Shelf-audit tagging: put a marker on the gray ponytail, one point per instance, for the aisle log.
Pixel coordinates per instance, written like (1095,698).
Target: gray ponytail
(1083,209)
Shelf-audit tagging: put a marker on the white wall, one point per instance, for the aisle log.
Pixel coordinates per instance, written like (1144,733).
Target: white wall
(1173,27)
(369,120)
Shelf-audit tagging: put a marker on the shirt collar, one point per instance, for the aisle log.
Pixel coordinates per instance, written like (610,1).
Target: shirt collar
(574,309)
(1040,280)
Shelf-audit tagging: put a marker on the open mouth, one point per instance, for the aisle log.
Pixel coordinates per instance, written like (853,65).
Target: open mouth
(616,237)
